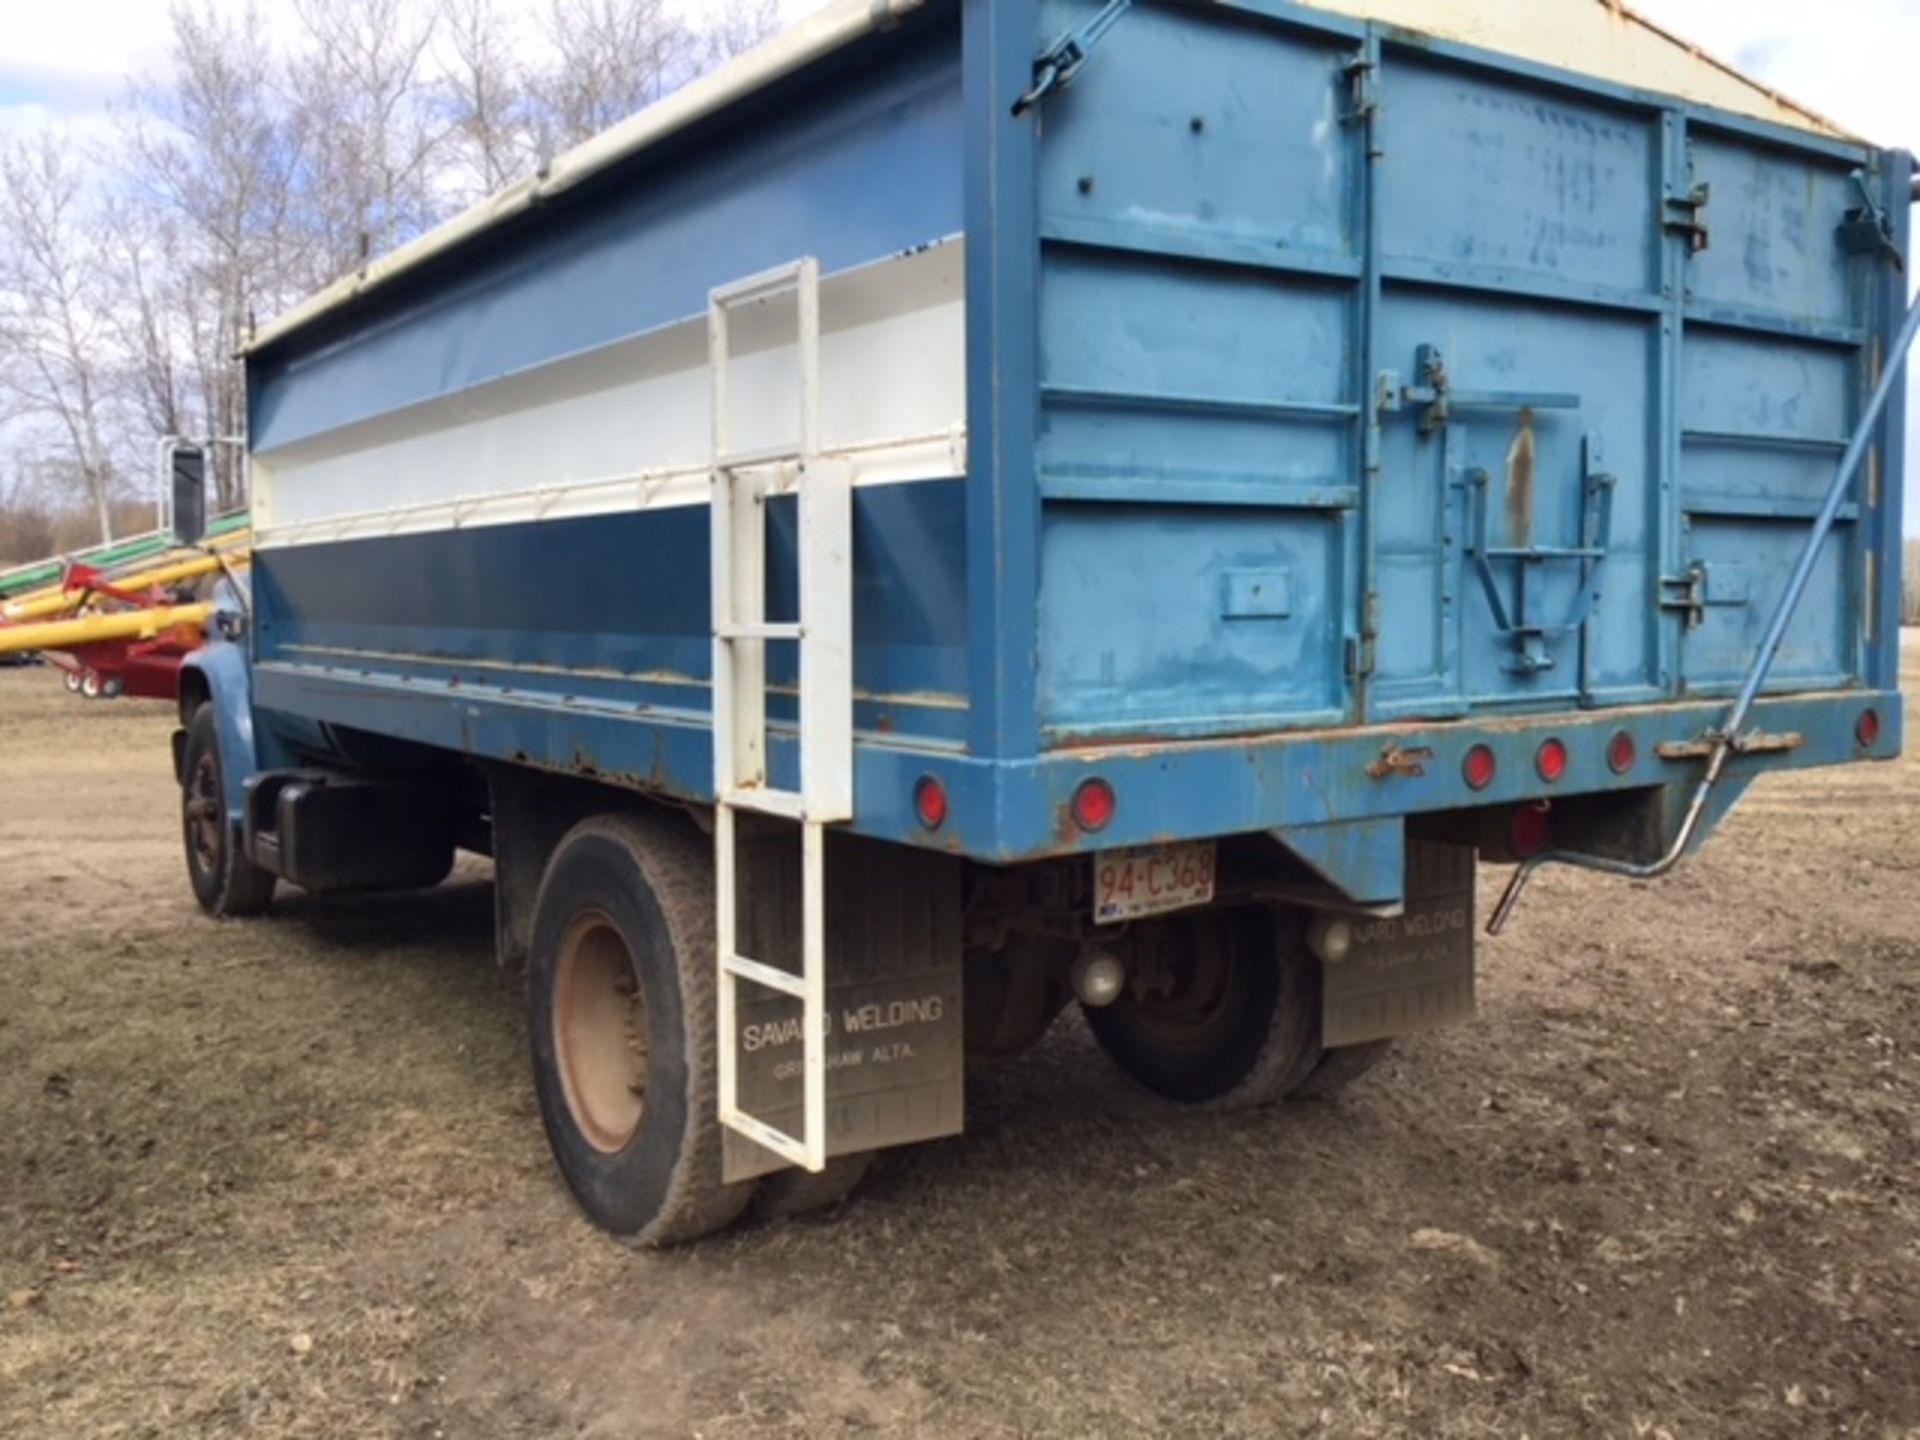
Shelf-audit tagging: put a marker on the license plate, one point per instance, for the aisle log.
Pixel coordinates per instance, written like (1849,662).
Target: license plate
(1151,879)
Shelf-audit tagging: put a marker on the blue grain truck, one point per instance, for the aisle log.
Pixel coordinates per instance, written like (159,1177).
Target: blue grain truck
(986,506)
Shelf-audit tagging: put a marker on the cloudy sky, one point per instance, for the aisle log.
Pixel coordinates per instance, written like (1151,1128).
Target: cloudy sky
(1845,58)
(67,59)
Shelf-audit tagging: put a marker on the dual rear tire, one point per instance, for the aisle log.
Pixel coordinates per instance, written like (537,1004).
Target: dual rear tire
(1224,1011)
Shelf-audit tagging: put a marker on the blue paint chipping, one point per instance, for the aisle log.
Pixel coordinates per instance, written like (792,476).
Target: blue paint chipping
(1327,392)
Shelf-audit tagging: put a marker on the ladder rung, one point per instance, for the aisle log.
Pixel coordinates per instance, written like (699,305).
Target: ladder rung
(761,1133)
(767,631)
(784,803)
(765,285)
(759,455)
(766,975)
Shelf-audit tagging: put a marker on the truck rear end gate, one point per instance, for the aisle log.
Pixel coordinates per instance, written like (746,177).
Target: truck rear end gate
(987,505)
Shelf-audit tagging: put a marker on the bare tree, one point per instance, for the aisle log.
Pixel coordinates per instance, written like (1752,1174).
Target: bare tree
(735,26)
(610,59)
(26,526)
(250,174)
(486,86)
(53,297)
(371,136)
(205,235)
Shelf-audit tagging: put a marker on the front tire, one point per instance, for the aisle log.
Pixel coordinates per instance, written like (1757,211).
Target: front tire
(1219,1011)
(225,882)
(621,990)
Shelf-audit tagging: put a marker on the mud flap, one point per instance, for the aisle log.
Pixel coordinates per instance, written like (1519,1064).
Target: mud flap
(1414,971)
(895,1032)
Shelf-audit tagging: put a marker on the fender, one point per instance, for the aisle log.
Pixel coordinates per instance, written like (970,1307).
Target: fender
(220,673)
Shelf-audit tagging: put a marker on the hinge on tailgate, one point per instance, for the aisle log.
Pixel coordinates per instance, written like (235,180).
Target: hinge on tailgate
(1056,66)
(1866,228)
(1363,90)
(1697,588)
(1361,648)
(1360,656)
(1687,215)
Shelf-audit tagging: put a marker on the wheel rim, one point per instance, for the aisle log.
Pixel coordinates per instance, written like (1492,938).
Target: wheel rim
(1190,997)
(204,817)
(600,1033)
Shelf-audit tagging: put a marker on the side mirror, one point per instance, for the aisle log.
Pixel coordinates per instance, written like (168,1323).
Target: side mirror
(187,474)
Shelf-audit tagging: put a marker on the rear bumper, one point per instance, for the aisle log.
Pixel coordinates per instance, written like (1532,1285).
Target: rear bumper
(1020,811)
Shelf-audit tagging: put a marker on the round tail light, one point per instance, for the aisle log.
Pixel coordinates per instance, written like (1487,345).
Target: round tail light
(1093,805)
(1622,753)
(1479,768)
(1551,760)
(930,802)
(1867,729)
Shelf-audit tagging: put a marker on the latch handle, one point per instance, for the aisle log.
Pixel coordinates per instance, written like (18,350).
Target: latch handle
(1867,229)
(1436,394)
(1056,66)
(1687,215)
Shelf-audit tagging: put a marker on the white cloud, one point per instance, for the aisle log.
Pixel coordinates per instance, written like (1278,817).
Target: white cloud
(1851,62)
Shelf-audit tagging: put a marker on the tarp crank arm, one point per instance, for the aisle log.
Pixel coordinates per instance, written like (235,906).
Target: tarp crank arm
(1726,740)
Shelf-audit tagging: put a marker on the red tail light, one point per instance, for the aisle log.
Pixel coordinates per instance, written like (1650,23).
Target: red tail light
(1622,753)
(1551,760)
(1867,729)
(1479,768)
(1093,805)
(930,802)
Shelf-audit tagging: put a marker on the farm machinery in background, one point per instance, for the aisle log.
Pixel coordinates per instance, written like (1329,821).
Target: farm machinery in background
(119,619)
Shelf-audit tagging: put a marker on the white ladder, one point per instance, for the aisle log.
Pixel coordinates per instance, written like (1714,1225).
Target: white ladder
(742,479)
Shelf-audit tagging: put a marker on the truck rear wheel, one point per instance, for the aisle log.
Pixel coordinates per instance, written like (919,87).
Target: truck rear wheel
(225,881)
(1218,1009)
(621,989)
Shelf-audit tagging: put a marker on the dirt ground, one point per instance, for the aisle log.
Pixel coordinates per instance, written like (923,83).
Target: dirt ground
(286,1178)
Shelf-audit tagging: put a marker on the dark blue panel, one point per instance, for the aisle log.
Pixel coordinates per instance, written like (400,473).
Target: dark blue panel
(1003,506)
(616,607)
(858,171)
